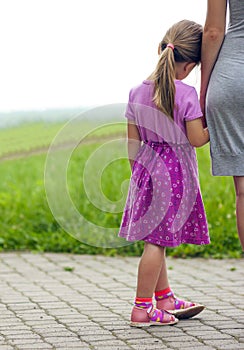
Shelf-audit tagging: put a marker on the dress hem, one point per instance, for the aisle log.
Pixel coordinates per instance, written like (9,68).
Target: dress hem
(168,244)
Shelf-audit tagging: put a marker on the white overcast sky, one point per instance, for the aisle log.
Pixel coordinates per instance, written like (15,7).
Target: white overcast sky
(71,53)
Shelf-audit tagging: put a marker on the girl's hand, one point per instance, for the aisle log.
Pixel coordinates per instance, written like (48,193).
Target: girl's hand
(196,133)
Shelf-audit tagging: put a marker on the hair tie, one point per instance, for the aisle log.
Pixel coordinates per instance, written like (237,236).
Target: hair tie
(171,46)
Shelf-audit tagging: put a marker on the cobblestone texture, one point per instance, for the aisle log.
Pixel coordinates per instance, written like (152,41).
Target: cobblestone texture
(62,301)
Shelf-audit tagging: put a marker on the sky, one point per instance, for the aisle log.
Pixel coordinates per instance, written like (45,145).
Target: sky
(72,53)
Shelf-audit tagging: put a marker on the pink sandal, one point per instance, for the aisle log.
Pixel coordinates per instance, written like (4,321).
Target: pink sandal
(151,317)
(179,308)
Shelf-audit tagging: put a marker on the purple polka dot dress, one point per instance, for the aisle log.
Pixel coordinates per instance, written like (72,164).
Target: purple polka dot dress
(164,204)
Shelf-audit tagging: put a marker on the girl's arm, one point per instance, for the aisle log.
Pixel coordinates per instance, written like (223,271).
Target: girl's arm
(213,36)
(134,142)
(196,133)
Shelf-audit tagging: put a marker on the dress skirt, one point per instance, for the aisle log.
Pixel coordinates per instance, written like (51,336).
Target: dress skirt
(164,204)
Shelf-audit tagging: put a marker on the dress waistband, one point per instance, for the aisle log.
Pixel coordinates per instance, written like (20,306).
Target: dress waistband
(156,143)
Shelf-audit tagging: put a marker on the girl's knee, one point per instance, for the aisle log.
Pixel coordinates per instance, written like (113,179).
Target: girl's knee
(153,247)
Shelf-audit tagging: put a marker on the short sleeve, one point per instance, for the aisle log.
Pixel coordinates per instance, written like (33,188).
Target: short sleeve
(129,113)
(192,109)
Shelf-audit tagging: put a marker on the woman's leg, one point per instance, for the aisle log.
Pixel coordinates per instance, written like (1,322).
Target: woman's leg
(239,187)
(150,267)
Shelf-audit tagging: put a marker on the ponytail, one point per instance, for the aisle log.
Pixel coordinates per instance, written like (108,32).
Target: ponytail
(182,43)
(164,80)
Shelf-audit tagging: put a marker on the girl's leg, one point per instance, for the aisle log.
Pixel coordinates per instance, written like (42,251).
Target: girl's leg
(239,187)
(143,313)
(149,269)
(163,281)
(166,299)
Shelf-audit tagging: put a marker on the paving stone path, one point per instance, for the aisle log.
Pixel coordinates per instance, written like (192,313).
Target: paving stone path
(62,301)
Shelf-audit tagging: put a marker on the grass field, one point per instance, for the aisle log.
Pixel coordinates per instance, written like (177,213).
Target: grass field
(28,224)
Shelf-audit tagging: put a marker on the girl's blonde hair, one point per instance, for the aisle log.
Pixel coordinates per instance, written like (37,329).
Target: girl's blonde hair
(186,37)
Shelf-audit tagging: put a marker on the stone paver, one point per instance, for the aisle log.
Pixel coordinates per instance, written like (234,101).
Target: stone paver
(64,301)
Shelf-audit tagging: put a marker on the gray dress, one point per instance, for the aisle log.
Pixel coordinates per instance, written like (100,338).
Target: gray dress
(225,99)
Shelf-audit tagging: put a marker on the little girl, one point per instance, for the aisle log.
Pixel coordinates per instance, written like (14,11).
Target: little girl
(164,206)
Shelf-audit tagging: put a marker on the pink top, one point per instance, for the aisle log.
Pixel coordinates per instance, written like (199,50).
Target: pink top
(153,125)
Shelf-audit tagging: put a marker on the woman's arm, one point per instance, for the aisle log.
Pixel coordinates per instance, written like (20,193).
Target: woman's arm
(134,142)
(196,133)
(213,36)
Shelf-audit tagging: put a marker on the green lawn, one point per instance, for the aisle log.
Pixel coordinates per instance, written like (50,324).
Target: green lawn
(28,224)
(27,137)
